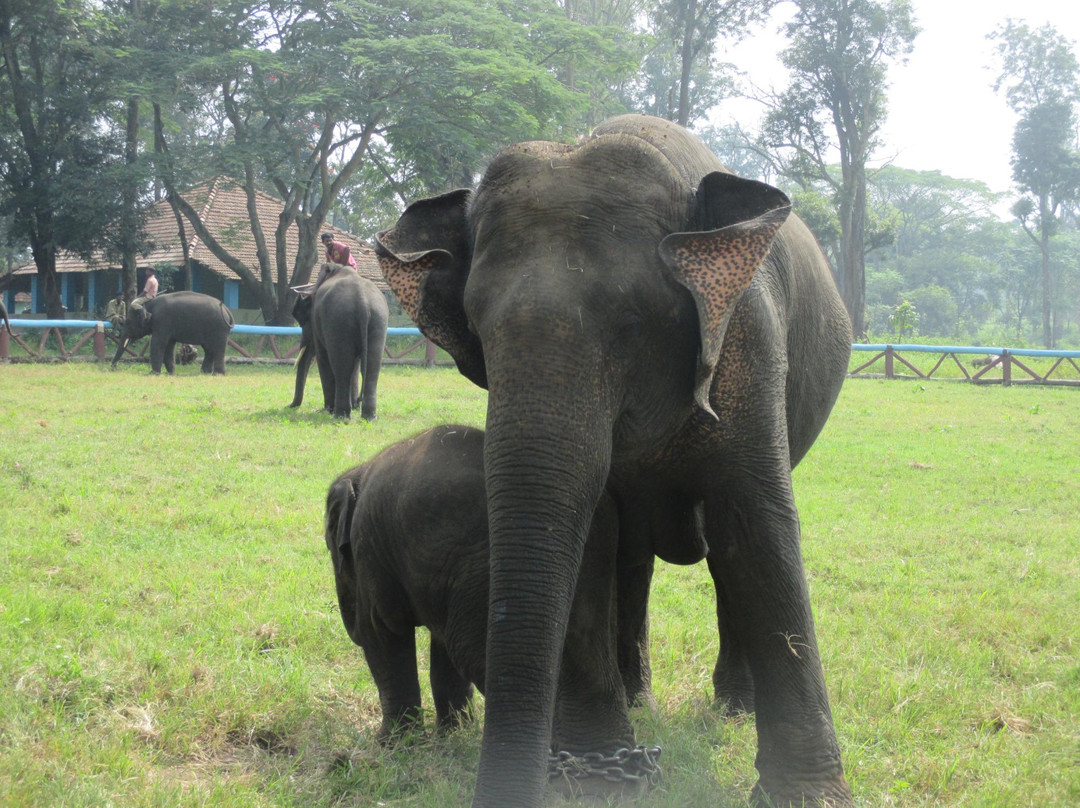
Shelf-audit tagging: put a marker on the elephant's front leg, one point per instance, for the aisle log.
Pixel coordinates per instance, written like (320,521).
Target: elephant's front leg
(591,710)
(753,532)
(733,684)
(326,376)
(633,632)
(158,346)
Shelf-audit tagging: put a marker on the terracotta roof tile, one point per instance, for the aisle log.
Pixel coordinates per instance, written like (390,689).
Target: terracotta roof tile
(222,205)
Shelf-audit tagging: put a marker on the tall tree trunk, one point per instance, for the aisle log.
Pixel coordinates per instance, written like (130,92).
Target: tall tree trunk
(1045,218)
(687,59)
(1047,291)
(44,253)
(131,197)
(185,244)
(131,155)
(852,253)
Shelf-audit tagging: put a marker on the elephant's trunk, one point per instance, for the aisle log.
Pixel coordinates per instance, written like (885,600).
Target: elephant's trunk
(303,365)
(547,455)
(120,350)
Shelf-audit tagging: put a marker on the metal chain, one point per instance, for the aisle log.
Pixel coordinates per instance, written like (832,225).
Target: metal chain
(638,765)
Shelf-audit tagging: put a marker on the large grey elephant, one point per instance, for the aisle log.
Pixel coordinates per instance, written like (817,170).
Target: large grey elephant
(185,317)
(407,532)
(343,326)
(646,321)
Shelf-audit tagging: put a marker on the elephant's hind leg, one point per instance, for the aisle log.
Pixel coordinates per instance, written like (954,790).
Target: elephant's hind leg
(370,367)
(451,691)
(392,660)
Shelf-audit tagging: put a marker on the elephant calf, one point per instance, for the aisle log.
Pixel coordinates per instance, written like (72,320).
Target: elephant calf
(408,535)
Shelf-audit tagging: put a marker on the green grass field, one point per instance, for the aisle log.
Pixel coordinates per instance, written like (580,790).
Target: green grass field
(169,635)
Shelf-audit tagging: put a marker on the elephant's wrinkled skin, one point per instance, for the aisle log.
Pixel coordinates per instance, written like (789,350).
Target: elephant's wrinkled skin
(644,320)
(407,532)
(343,326)
(186,317)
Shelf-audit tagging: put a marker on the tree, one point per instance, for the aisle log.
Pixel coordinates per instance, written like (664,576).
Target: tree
(60,161)
(1041,80)
(311,93)
(838,55)
(680,78)
(947,237)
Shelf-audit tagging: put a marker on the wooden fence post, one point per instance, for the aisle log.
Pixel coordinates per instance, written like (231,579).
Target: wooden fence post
(429,354)
(1006,368)
(99,341)
(5,345)
(889,362)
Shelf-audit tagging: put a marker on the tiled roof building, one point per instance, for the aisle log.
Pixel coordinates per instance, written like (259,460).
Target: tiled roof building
(222,206)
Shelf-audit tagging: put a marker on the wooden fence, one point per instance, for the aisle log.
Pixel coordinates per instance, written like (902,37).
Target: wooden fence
(89,339)
(1004,366)
(97,342)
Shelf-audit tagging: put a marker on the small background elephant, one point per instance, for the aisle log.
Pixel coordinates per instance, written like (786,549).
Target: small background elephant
(407,532)
(343,327)
(189,317)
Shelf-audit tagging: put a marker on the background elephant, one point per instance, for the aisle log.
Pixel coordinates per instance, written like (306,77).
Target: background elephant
(343,325)
(407,532)
(647,322)
(189,317)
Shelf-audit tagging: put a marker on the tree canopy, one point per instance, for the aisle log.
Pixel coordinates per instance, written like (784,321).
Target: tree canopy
(1040,78)
(418,90)
(61,168)
(838,54)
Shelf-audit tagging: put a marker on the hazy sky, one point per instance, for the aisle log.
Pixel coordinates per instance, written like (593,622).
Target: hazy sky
(943,113)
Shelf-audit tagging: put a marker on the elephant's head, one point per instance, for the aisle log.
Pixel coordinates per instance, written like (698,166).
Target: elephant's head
(136,326)
(589,289)
(301,310)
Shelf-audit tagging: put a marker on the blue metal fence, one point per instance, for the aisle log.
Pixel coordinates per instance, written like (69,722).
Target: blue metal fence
(999,365)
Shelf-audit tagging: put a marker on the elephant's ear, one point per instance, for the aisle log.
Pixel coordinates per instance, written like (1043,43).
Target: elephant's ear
(425,258)
(339,512)
(735,221)
(340,504)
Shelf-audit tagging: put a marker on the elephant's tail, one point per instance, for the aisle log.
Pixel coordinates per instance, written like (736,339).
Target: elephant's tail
(227,316)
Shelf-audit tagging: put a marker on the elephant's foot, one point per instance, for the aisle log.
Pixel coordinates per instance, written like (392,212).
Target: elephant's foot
(733,703)
(624,773)
(643,697)
(795,794)
(733,691)
(402,730)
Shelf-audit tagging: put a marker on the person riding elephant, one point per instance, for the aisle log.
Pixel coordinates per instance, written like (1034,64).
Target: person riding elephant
(174,317)
(408,538)
(649,324)
(343,326)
